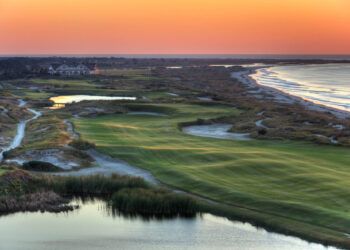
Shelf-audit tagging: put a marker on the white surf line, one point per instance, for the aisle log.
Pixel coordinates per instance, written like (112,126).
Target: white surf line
(21,127)
(246,77)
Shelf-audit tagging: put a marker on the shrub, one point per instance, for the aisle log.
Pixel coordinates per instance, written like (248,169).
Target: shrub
(82,144)
(17,182)
(40,166)
(8,154)
(262,131)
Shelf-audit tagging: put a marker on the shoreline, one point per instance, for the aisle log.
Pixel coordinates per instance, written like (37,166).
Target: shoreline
(279,96)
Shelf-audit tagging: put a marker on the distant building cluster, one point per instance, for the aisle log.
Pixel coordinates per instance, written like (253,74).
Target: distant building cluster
(67,70)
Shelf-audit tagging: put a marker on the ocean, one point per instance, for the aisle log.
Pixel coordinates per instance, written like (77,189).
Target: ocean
(326,84)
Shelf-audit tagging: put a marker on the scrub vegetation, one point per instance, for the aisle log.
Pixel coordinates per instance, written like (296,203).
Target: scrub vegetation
(22,191)
(154,202)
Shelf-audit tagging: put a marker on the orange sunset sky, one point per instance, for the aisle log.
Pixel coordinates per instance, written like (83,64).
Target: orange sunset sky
(175,27)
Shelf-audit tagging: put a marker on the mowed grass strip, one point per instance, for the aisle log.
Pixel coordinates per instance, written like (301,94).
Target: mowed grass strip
(295,180)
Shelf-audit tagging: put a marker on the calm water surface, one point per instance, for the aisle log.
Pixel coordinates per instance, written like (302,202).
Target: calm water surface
(65,99)
(93,227)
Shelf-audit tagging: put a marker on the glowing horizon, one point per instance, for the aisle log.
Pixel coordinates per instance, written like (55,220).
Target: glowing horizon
(34,27)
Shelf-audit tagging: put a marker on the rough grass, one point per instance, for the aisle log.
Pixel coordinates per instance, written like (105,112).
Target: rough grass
(153,202)
(31,95)
(2,171)
(92,185)
(62,83)
(300,183)
(48,131)
(125,72)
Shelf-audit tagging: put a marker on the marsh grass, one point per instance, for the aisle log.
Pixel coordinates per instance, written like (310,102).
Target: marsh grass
(154,202)
(95,185)
(20,190)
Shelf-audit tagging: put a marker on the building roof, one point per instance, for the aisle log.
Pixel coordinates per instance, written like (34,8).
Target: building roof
(65,67)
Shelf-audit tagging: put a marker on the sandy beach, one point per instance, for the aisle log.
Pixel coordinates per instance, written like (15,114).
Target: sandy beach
(278,96)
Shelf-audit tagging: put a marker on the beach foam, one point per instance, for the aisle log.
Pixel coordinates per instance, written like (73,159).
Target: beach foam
(326,84)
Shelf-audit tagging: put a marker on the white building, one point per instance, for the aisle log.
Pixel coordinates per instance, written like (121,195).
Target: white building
(65,70)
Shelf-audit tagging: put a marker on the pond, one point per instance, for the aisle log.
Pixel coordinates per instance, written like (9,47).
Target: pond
(60,101)
(93,226)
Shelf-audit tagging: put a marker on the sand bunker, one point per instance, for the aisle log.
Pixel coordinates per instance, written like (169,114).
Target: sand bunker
(219,131)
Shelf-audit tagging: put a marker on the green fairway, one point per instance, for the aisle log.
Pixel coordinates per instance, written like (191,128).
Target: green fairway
(282,179)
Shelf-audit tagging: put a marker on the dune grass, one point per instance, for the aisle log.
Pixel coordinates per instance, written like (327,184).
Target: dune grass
(55,133)
(287,182)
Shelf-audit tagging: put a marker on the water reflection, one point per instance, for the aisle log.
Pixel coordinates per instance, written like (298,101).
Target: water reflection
(61,101)
(93,226)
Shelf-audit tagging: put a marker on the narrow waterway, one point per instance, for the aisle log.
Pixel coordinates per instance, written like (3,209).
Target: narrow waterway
(21,127)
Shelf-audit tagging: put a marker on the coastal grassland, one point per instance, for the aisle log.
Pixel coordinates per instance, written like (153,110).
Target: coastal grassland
(31,95)
(127,72)
(96,86)
(23,191)
(48,131)
(44,146)
(294,187)
(47,85)
(64,83)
